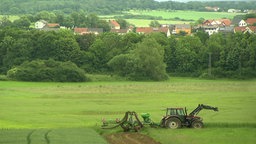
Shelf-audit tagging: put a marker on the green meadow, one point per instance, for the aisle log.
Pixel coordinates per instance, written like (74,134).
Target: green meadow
(188,15)
(10,17)
(172,17)
(79,107)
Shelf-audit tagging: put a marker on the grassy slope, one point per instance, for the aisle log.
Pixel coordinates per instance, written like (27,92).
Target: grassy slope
(187,15)
(194,15)
(55,105)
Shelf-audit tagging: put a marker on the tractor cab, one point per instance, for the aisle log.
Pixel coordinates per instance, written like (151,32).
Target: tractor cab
(179,113)
(176,111)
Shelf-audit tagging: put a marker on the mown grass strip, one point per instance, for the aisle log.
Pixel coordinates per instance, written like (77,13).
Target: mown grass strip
(230,125)
(29,136)
(46,137)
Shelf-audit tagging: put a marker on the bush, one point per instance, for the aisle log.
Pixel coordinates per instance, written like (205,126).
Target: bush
(47,70)
(3,78)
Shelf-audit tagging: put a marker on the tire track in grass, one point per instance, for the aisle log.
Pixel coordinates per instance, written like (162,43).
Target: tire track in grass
(46,137)
(29,136)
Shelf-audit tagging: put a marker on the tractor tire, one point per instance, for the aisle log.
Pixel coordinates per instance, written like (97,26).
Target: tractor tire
(173,123)
(197,124)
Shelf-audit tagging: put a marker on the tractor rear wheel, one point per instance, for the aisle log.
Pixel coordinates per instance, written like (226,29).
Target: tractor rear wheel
(197,124)
(173,123)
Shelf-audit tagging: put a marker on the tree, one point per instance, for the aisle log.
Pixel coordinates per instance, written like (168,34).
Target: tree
(190,55)
(23,23)
(85,41)
(145,62)
(5,22)
(154,23)
(123,23)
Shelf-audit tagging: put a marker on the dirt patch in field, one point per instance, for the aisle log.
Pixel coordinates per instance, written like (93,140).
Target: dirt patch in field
(130,138)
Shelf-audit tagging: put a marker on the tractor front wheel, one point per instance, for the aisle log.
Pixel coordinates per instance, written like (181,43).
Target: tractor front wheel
(173,123)
(197,124)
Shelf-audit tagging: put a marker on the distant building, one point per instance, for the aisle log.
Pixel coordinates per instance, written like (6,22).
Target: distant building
(121,31)
(220,22)
(148,30)
(251,21)
(178,28)
(40,24)
(245,29)
(234,10)
(242,23)
(211,29)
(83,31)
(114,24)
(248,22)
(212,8)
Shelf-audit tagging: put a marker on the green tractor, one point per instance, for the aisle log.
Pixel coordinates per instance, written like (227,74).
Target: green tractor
(178,117)
(174,118)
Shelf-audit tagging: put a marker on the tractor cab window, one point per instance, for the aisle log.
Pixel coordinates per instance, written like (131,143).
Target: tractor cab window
(172,112)
(180,112)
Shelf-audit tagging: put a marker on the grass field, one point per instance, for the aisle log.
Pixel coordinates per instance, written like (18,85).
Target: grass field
(27,106)
(169,16)
(10,17)
(188,15)
(54,136)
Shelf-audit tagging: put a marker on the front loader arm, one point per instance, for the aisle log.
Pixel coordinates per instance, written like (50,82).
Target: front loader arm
(200,107)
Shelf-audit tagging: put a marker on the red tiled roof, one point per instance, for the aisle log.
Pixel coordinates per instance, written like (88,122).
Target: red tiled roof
(119,30)
(240,29)
(80,30)
(244,28)
(253,28)
(147,30)
(114,23)
(53,25)
(227,22)
(251,21)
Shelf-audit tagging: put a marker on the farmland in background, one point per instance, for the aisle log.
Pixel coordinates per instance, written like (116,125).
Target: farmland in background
(57,106)
(169,17)
(163,16)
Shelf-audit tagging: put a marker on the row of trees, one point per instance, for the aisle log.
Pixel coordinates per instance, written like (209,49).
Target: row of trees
(137,57)
(110,6)
(75,19)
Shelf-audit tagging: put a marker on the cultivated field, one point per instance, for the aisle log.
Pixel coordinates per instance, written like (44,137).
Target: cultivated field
(188,15)
(173,17)
(73,109)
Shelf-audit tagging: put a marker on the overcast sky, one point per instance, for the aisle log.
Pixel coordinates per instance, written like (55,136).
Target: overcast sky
(204,0)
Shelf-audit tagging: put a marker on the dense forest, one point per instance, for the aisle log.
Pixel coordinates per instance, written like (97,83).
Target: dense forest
(111,6)
(43,56)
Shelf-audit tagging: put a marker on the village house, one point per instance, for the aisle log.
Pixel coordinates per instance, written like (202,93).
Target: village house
(220,22)
(246,26)
(182,28)
(83,31)
(212,8)
(45,26)
(121,31)
(245,29)
(242,23)
(148,30)
(248,22)
(114,24)
(233,11)
(216,26)
(40,24)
